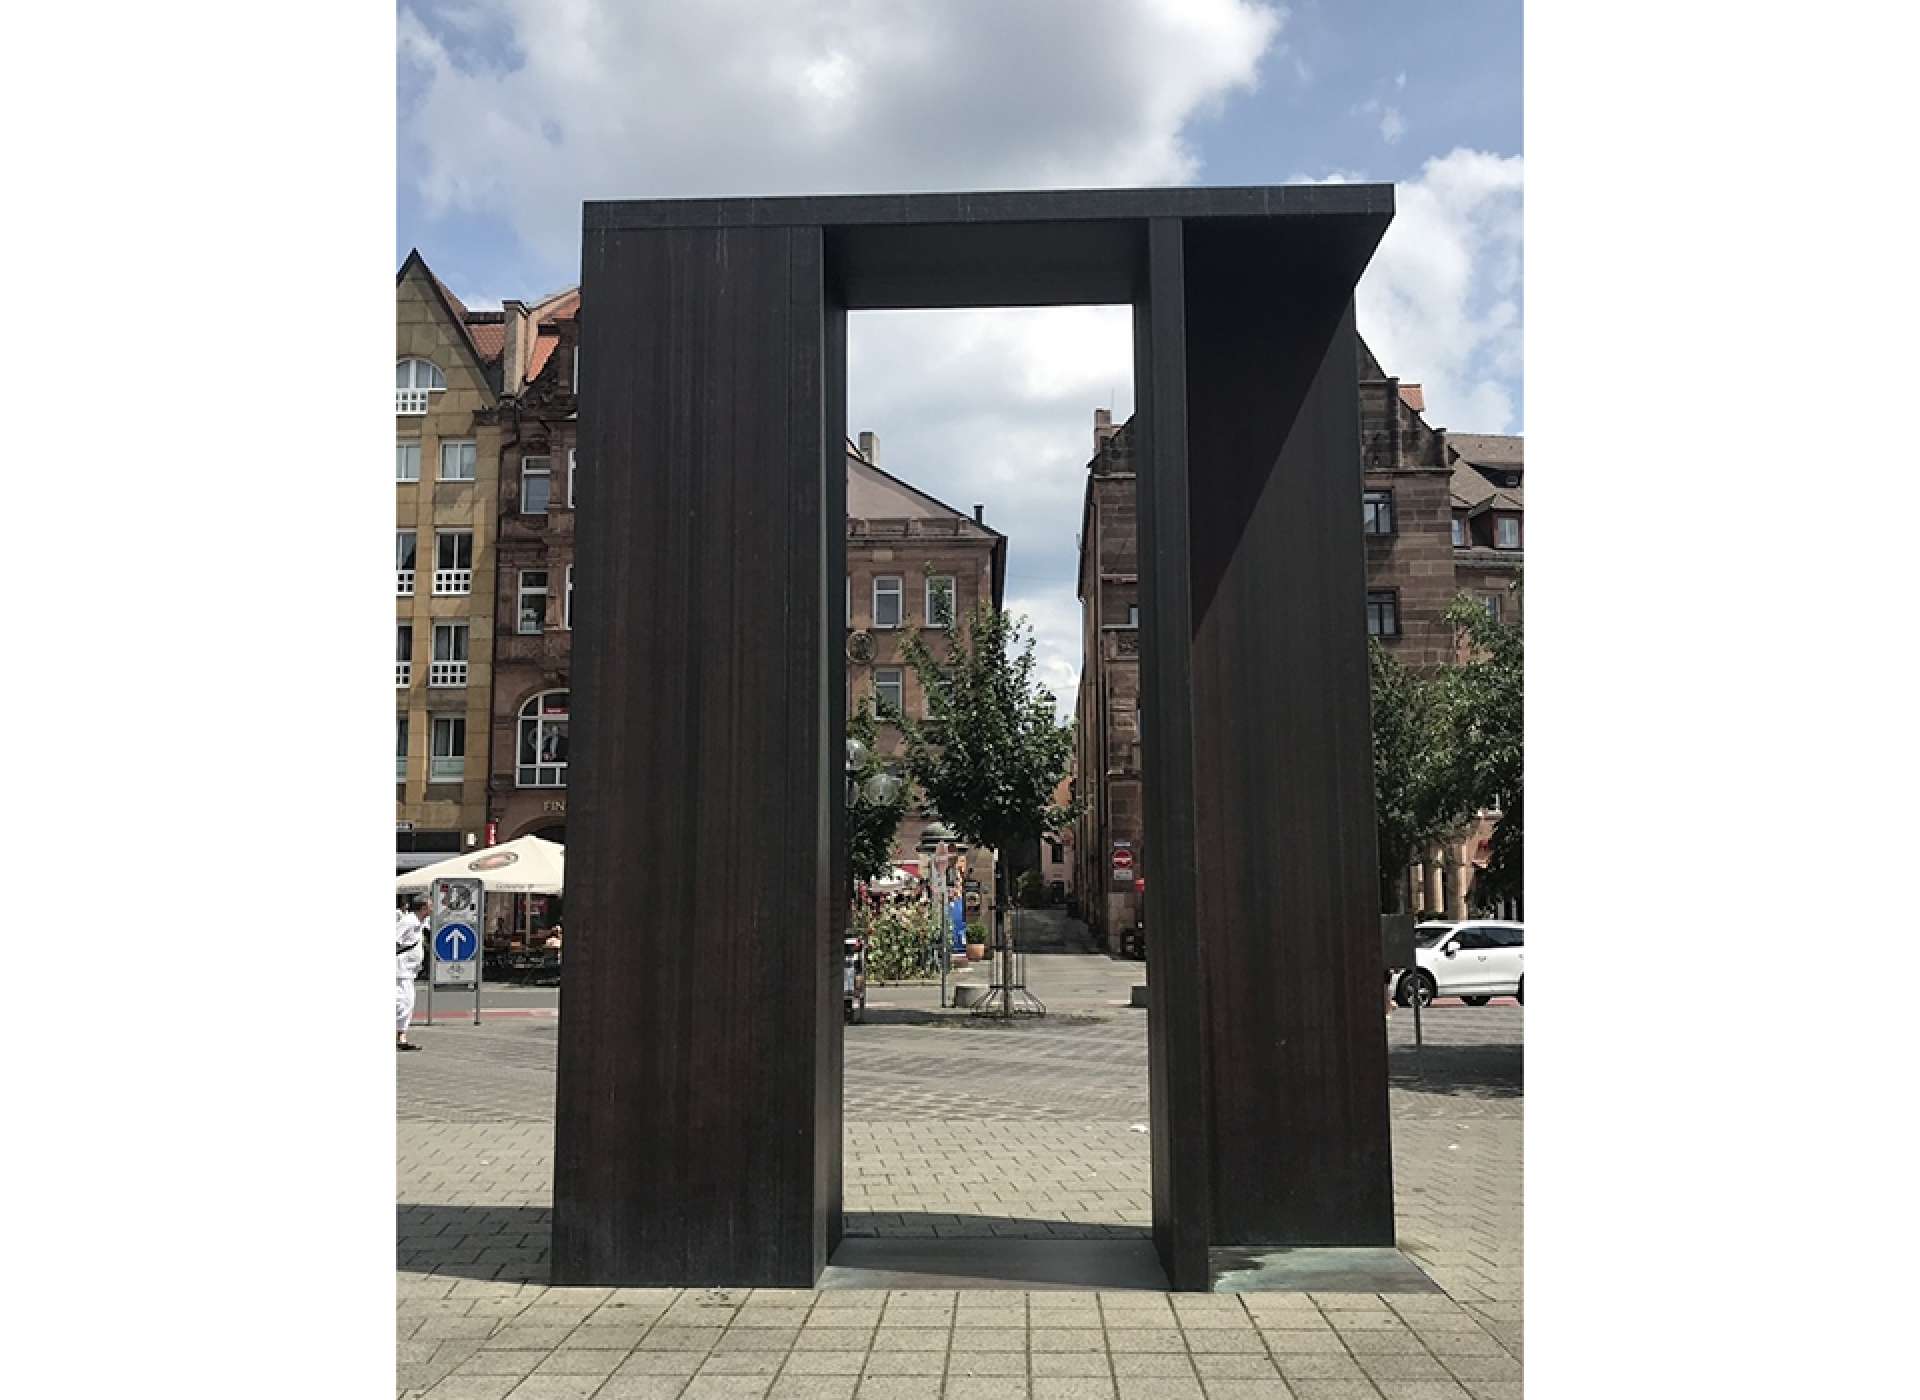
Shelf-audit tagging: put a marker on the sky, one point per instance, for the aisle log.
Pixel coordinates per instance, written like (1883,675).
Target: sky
(512,112)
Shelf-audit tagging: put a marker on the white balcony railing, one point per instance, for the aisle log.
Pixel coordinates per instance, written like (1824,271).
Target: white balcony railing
(410,402)
(447,581)
(402,674)
(403,581)
(446,770)
(447,673)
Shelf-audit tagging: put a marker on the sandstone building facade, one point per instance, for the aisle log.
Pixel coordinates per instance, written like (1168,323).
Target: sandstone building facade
(1441,514)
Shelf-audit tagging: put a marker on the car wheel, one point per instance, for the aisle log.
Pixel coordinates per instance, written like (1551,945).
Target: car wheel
(1476,1001)
(1417,986)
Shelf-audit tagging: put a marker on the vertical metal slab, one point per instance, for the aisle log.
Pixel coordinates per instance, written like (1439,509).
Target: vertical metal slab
(691,1103)
(1176,1037)
(1286,904)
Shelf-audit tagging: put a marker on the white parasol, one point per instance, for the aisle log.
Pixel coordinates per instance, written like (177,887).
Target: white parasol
(526,866)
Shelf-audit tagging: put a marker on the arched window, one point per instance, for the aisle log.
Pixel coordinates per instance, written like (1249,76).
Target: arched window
(542,746)
(414,381)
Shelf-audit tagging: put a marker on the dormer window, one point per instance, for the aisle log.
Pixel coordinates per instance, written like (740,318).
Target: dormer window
(414,384)
(1506,532)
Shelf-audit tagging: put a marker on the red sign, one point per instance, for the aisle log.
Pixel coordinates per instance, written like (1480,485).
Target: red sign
(1122,859)
(493,833)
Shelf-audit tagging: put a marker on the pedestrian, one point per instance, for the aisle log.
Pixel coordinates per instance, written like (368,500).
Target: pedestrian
(410,949)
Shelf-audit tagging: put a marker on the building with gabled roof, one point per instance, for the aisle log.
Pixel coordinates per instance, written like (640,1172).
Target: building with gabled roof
(446,486)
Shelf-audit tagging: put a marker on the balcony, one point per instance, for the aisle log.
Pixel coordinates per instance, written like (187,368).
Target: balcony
(403,582)
(402,674)
(443,674)
(410,403)
(451,581)
(447,770)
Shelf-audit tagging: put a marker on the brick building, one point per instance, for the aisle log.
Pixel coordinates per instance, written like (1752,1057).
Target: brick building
(1109,835)
(905,552)
(446,489)
(533,598)
(1441,514)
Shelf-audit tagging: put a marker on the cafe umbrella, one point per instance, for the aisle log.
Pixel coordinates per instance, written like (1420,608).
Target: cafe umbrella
(527,866)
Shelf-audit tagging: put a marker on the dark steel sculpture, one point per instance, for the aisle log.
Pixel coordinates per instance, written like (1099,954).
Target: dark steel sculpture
(698,1132)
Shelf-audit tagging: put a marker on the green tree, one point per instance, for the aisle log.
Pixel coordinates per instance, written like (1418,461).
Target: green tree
(990,752)
(1483,705)
(871,821)
(1413,807)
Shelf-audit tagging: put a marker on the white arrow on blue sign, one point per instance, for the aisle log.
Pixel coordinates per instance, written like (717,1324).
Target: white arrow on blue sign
(455,943)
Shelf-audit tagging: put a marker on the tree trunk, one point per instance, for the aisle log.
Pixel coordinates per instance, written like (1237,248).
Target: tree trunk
(1002,933)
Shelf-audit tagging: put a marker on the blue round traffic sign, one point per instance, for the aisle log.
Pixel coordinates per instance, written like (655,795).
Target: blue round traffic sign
(455,943)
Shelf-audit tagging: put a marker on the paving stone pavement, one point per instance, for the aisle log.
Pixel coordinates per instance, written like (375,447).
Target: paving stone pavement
(957,1127)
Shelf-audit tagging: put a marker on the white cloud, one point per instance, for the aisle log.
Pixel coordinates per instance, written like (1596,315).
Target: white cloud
(1441,301)
(589,99)
(996,407)
(1392,125)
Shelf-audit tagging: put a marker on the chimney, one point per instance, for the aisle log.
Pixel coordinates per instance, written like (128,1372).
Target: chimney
(1102,427)
(870,447)
(518,348)
(979,515)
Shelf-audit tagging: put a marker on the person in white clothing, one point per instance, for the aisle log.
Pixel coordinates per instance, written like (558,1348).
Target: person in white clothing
(410,949)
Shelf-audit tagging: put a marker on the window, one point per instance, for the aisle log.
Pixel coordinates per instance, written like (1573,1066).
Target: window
(1376,513)
(542,754)
(1491,602)
(849,600)
(1506,532)
(403,660)
(1505,937)
(452,562)
(449,665)
(1055,852)
(414,384)
(886,602)
(400,765)
(532,611)
(572,469)
(576,369)
(406,461)
(449,761)
(1459,531)
(566,605)
(1383,614)
(456,461)
(1133,614)
(536,484)
(889,689)
(404,542)
(940,596)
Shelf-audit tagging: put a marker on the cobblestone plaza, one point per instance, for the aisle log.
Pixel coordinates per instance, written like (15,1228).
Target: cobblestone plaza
(958,1127)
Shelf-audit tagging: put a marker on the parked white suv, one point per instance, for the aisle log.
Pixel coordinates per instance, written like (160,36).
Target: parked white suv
(1476,961)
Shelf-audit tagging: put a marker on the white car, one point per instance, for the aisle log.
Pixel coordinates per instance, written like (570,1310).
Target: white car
(1476,961)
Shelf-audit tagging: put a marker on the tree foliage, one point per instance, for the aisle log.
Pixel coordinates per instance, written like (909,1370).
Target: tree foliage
(1485,753)
(1449,745)
(871,825)
(990,752)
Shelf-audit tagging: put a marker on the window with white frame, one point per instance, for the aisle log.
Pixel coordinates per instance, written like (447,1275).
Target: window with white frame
(536,484)
(403,660)
(886,602)
(449,664)
(1133,615)
(400,763)
(457,461)
(573,468)
(1491,602)
(404,544)
(1506,532)
(889,689)
(532,609)
(1459,531)
(415,383)
(566,603)
(541,755)
(406,461)
(452,562)
(448,763)
(940,600)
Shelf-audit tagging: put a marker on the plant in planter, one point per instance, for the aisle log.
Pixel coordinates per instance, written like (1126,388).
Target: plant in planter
(976,941)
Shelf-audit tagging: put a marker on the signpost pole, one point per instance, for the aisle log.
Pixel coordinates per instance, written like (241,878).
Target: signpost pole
(433,924)
(479,951)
